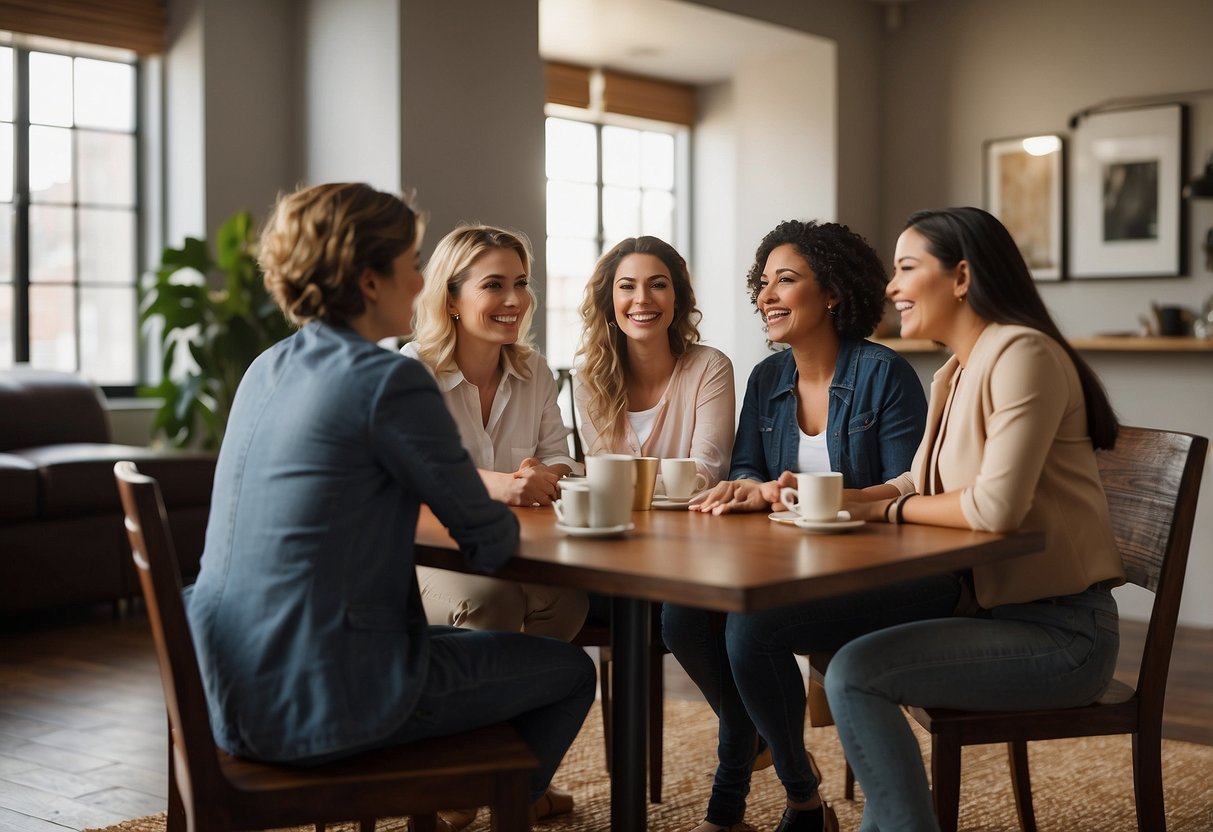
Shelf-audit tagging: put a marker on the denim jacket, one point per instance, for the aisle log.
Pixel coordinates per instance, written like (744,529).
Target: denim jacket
(876,417)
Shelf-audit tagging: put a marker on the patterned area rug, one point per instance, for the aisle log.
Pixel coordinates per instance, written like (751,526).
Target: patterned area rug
(1078,785)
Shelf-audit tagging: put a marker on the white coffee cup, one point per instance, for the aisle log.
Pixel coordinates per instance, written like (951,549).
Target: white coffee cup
(681,478)
(817,497)
(573,507)
(612,479)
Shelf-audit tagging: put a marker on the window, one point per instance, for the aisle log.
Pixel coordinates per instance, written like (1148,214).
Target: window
(604,183)
(69,212)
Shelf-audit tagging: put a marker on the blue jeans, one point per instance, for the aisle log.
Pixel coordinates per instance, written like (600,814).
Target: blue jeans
(747,671)
(542,686)
(1057,652)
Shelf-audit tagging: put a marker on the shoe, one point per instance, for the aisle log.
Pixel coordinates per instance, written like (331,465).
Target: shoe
(821,819)
(553,802)
(454,820)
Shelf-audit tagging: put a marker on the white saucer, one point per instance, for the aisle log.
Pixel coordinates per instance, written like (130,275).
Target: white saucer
(830,526)
(605,531)
(791,518)
(669,504)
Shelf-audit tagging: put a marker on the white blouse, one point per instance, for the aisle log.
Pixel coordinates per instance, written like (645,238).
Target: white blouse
(524,420)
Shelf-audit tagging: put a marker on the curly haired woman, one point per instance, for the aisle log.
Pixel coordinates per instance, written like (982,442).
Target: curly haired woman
(832,401)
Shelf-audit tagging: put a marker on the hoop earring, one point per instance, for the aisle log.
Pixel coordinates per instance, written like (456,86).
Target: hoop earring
(611,324)
(830,309)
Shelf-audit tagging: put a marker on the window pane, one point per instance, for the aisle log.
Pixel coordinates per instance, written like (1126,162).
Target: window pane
(620,214)
(7,358)
(657,161)
(105,94)
(658,213)
(620,156)
(51,256)
(52,327)
(50,164)
(6,244)
(50,89)
(572,150)
(106,165)
(6,83)
(107,246)
(570,263)
(107,335)
(572,210)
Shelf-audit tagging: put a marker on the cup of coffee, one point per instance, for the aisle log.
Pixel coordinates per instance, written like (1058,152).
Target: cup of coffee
(573,507)
(681,478)
(817,497)
(612,479)
(646,479)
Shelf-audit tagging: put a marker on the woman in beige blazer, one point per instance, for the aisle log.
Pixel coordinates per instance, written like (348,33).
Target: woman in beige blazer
(1014,420)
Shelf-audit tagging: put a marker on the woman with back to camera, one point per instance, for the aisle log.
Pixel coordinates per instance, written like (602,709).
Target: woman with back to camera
(832,401)
(310,633)
(645,385)
(1016,418)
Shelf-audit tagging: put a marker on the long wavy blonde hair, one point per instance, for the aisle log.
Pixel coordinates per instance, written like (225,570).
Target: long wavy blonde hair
(435,330)
(603,368)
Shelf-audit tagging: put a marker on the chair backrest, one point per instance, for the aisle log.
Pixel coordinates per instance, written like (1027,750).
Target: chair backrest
(195,765)
(1152,480)
(564,381)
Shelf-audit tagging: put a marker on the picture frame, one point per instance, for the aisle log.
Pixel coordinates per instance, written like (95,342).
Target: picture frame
(1127,217)
(1025,188)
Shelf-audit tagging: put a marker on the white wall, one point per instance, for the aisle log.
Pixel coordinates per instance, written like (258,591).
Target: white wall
(350,66)
(765,151)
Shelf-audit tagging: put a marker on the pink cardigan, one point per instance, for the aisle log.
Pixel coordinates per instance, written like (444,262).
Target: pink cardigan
(695,416)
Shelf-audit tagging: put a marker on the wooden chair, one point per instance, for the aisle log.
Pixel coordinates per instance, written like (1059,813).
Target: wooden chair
(1152,479)
(211,790)
(599,635)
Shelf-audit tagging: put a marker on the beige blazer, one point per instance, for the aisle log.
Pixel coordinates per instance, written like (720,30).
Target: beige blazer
(1009,431)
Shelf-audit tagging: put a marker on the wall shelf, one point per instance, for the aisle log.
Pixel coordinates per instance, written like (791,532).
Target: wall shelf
(1110,343)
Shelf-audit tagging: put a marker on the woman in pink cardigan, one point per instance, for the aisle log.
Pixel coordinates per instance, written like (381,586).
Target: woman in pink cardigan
(644,385)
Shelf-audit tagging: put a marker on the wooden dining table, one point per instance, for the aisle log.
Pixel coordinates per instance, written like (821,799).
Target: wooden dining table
(731,563)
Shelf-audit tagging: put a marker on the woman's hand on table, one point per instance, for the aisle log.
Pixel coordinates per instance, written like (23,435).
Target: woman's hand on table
(736,495)
(533,484)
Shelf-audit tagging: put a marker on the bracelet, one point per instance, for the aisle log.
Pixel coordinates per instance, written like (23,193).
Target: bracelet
(888,506)
(899,511)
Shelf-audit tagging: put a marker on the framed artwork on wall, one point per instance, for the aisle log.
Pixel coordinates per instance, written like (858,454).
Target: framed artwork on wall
(1024,188)
(1126,214)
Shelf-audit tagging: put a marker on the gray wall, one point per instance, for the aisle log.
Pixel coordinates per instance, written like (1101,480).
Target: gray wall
(958,72)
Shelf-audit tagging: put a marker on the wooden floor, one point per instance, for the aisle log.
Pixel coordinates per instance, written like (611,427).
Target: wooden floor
(82,720)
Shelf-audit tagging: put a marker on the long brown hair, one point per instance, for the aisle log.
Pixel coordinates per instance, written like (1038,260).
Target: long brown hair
(604,348)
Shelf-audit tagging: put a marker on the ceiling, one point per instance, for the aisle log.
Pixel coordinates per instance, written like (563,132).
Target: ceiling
(662,38)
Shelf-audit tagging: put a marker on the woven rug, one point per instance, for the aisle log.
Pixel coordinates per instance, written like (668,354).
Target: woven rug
(1078,785)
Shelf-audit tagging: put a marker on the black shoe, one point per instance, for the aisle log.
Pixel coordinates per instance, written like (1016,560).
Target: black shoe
(821,819)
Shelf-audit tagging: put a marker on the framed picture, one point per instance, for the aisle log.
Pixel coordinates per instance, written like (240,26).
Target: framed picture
(1126,214)
(1024,188)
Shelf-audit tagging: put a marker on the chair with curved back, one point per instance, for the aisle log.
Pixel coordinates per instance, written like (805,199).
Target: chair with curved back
(212,790)
(1152,480)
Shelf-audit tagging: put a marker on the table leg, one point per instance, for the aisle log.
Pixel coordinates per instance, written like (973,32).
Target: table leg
(630,620)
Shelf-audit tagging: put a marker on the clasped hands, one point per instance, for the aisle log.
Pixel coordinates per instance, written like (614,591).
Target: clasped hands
(750,495)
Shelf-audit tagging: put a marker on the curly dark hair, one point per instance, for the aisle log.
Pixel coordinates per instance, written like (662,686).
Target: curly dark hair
(844,265)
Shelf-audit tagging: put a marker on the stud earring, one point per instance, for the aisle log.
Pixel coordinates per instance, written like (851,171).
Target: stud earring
(961,298)
(455,317)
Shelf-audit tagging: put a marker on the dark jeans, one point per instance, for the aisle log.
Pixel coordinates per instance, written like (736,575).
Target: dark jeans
(541,686)
(747,671)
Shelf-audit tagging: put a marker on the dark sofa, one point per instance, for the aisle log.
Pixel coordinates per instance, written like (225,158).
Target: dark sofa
(61,535)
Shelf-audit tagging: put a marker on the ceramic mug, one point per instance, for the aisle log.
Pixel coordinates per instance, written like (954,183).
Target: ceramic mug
(573,507)
(817,497)
(612,479)
(681,478)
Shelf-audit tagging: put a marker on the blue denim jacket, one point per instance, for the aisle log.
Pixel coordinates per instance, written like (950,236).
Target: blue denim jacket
(876,418)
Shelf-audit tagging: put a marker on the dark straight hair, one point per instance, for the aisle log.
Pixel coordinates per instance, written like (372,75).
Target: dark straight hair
(1001,290)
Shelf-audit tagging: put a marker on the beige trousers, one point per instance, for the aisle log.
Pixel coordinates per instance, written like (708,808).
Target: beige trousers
(478,602)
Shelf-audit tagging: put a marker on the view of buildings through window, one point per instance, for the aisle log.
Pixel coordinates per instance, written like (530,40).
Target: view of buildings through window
(604,183)
(68,214)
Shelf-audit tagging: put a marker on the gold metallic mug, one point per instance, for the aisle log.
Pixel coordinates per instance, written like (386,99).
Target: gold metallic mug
(646,480)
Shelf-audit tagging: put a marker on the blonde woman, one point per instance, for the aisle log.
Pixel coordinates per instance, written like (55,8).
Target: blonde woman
(473,322)
(645,386)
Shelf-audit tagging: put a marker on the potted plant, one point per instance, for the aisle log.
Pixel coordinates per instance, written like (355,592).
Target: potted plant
(208,336)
